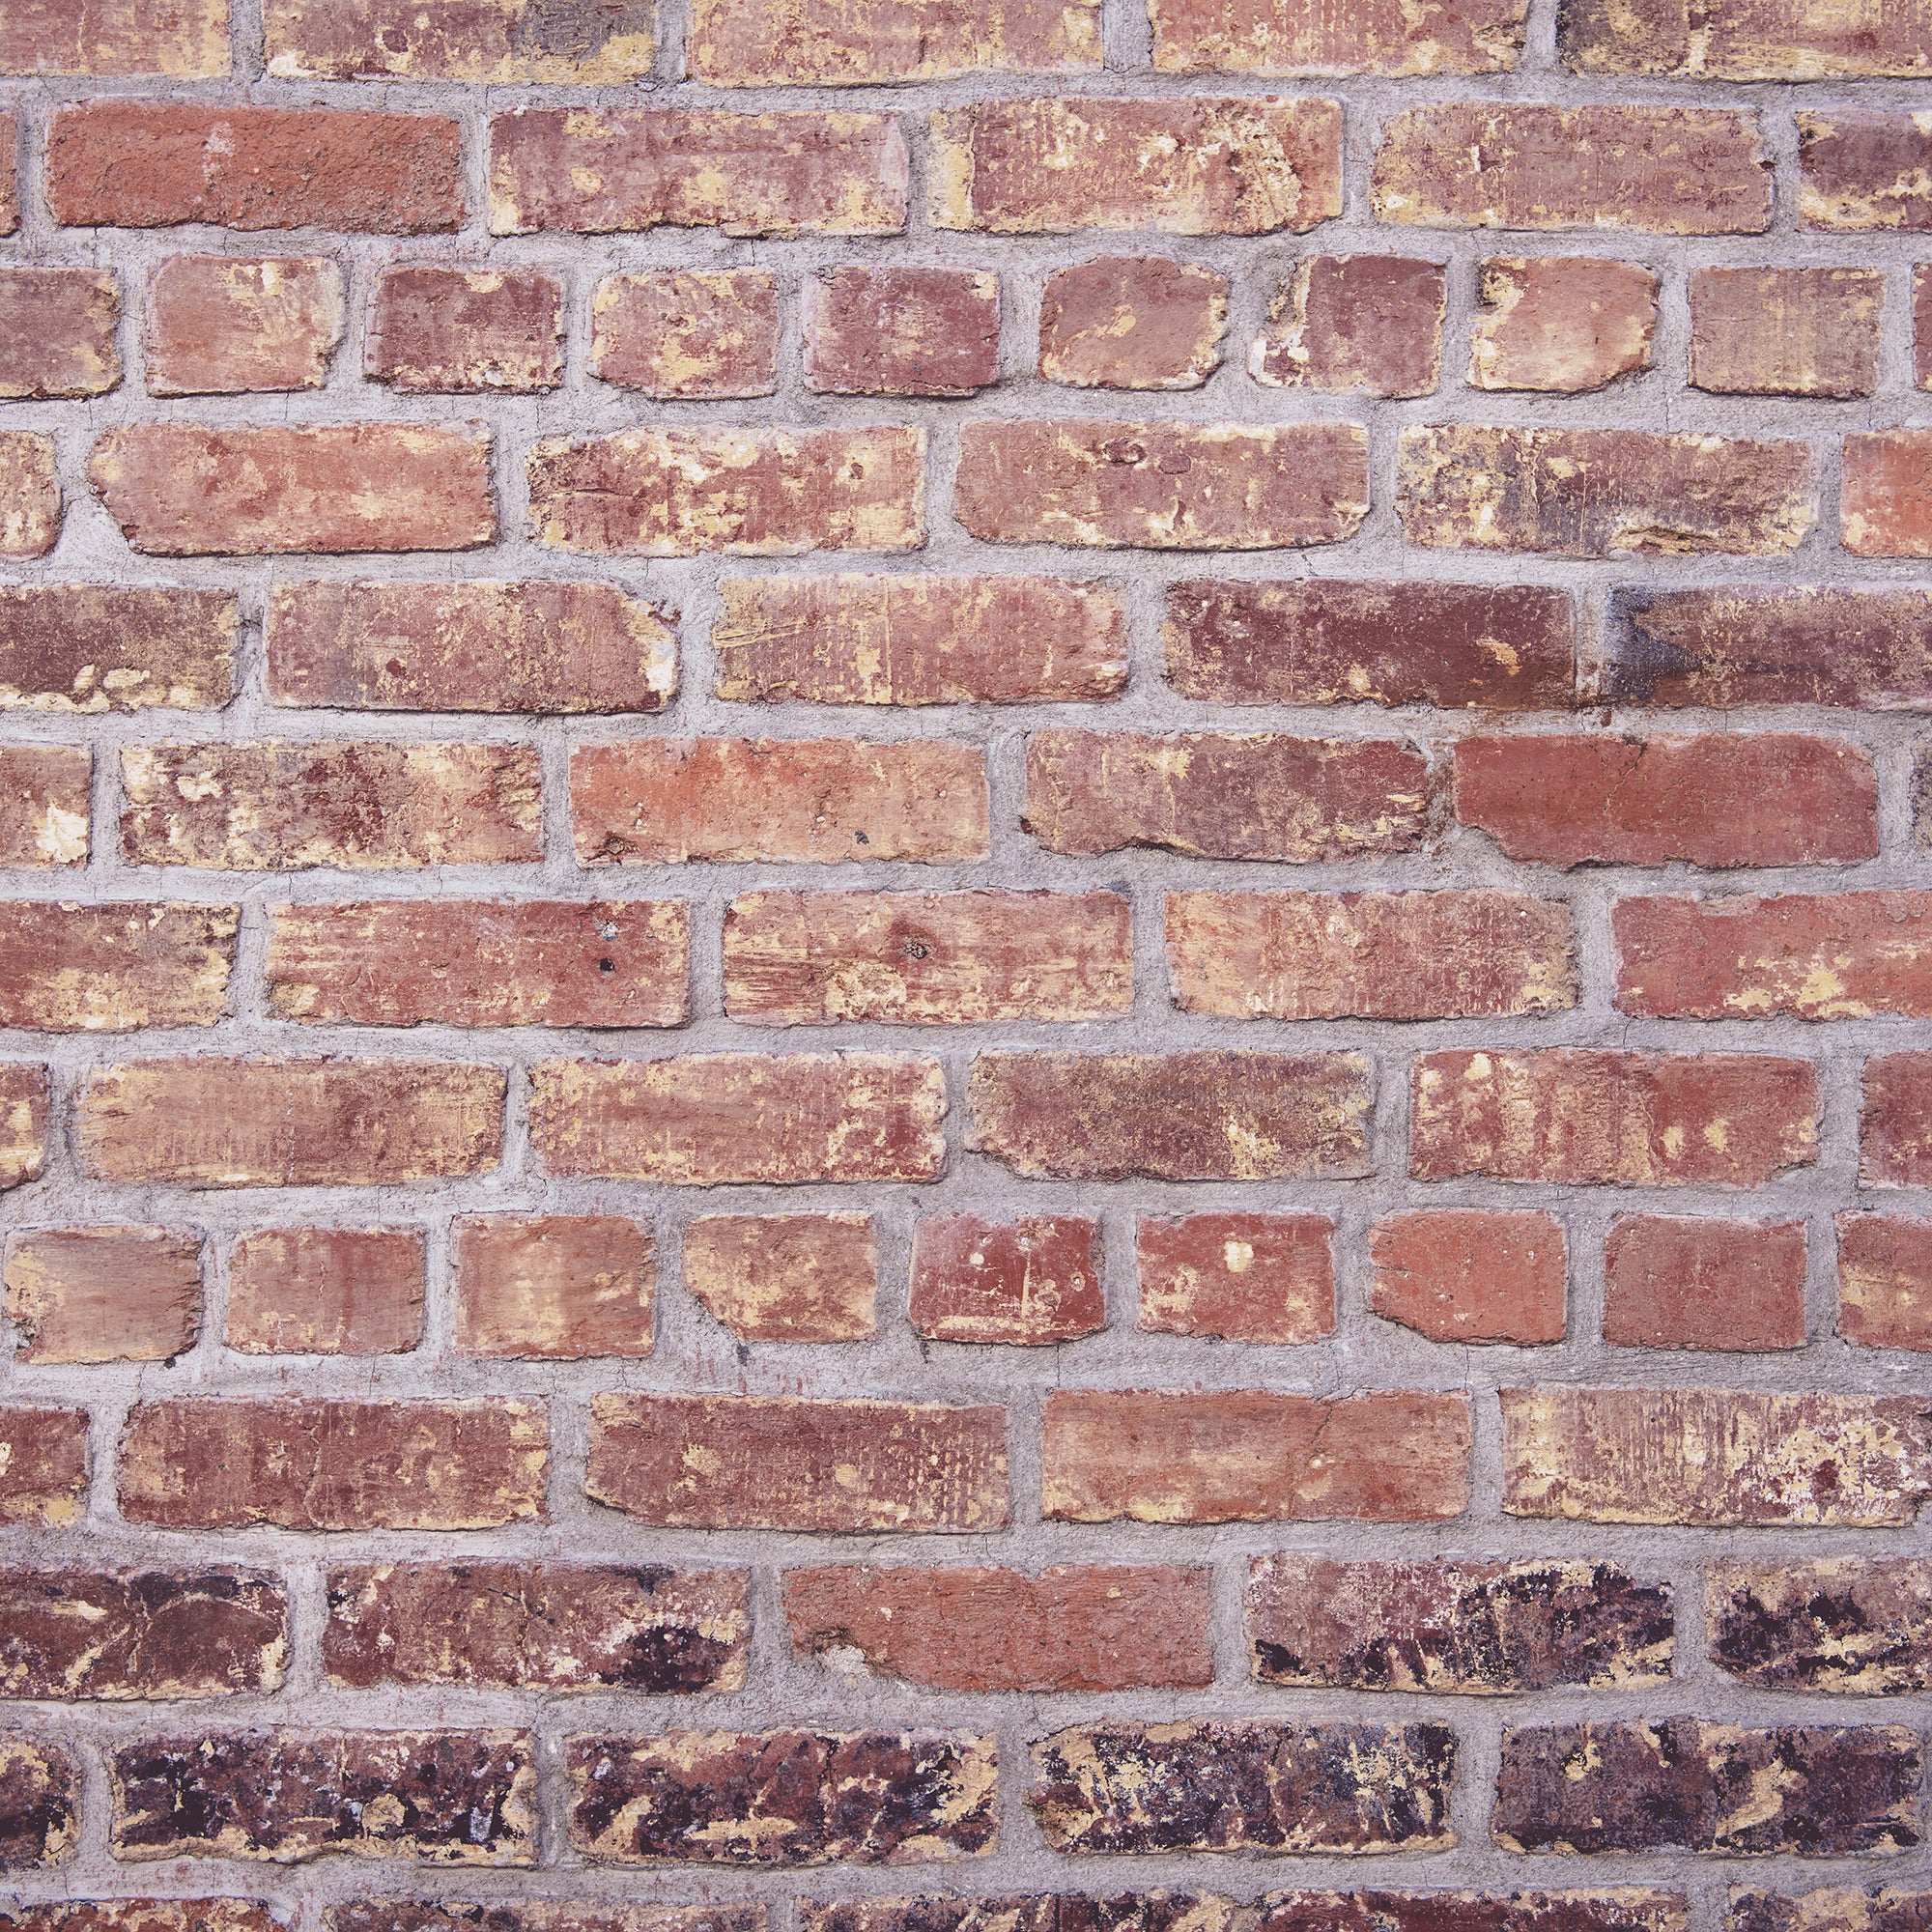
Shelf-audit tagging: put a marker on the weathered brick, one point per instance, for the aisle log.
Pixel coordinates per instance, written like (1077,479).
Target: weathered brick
(1162,484)
(601,171)
(1593,1117)
(1354,325)
(44,1465)
(29,494)
(1885,493)
(1693,1283)
(1468,1274)
(199,1464)
(1624,1909)
(9,190)
(561,1287)
(1371,955)
(1160,1911)
(1243,1277)
(1567,323)
(1601,492)
(900,331)
(1862,169)
(205,1121)
(186,40)
(1874,1908)
(109,968)
(787,1462)
(1895,1122)
(1201,1785)
(1378,37)
(1714,1458)
(176,489)
(1885,1280)
(1193,165)
(1482,1628)
(1132,322)
(1074,1627)
(105,1294)
(501,42)
(1855,1624)
(759,44)
(688,334)
(1785,332)
(1193,1116)
(1758,40)
(24,1096)
(93,647)
(43,810)
(924,640)
(361,806)
(785,1277)
(537,1915)
(945,958)
(1253,1456)
(57,328)
(1516,165)
(326,1291)
(536,1625)
(1682,1784)
(1027,1284)
(225,325)
(39,1803)
(1714,799)
(482,962)
(144,1915)
(121,163)
(440,1798)
(449,330)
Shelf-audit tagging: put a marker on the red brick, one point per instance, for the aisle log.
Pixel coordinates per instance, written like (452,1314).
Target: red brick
(1624,1909)
(446,330)
(536,1914)
(105,1294)
(1704,1284)
(1922,324)
(1254,797)
(1465,1274)
(1026,1284)
(200,1463)
(1589,1117)
(687,335)
(1191,165)
(120,163)
(927,958)
(92,647)
(1516,165)
(146,1914)
(559,1287)
(204,1121)
(44,1464)
(1785,332)
(1713,800)
(184,39)
(1132,322)
(179,490)
(44,807)
(24,1097)
(326,1291)
(1252,1456)
(1368,955)
(1895,1122)
(10,191)
(1074,1627)
(704,1120)
(1885,497)
(108,968)
(1884,1282)
(818,44)
(920,640)
(224,325)
(505,44)
(39,1803)
(752,1463)
(1354,325)
(1756,39)
(482,962)
(600,172)
(1566,322)
(886,331)
(1241,1277)
(1854,1623)
(1162,486)
(1859,169)
(29,494)
(1380,37)
(666,800)
(57,328)
(785,1277)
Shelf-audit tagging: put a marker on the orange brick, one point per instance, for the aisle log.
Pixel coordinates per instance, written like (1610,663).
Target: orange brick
(43,805)
(559,1287)
(326,1291)
(105,1294)
(785,1277)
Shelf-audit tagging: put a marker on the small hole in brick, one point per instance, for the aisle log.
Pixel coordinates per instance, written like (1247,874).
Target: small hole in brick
(607,965)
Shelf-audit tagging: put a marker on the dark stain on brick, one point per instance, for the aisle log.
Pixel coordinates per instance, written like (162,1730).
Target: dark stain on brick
(1840,1624)
(38,1804)
(578,30)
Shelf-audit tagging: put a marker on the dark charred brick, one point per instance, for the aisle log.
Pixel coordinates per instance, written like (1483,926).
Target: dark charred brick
(39,1803)
(536,1914)
(1856,1625)
(144,1915)
(1133,1912)
(1626,1909)
(92,647)
(1875,1909)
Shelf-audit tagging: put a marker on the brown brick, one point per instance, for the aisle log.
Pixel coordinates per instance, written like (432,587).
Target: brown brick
(785,1277)
(1685,1784)
(1378,37)
(204,1121)
(788,1798)
(536,1914)
(818,44)
(1516,164)
(176,489)
(44,1467)
(1567,323)
(1132,322)
(504,42)
(200,1463)
(446,330)
(836,1467)
(1026,1284)
(536,1625)
(1874,1908)
(224,324)
(326,1291)
(9,190)
(44,806)
(687,335)
(29,494)
(57,328)
(900,331)
(469,647)
(93,647)
(1922,324)
(24,1123)
(1242,1277)
(1886,498)
(1855,1624)
(1187,165)
(1210,1115)
(1074,1627)
(1860,169)
(279,806)
(1371,955)
(1757,39)
(924,640)
(1623,1909)
(910,958)
(1885,1280)
(39,1803)
(1483,1628)
(1158,1910)
(1785,332)
(1162,484)
(121,163)
(482,962)
(559,1287)
(1895,1122)
(1714,1458)
(1330,640)
(1591,1117)
(440,1798)
(1354,325)
(1682,1283)
(1207,1786)
(109,968)
(146,1914)
(186,40)
(105,1294)
(1253,1456)
(771,1120)
(601,171)
(1466,1274)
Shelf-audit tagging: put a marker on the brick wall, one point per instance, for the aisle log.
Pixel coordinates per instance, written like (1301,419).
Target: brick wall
(963,967)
